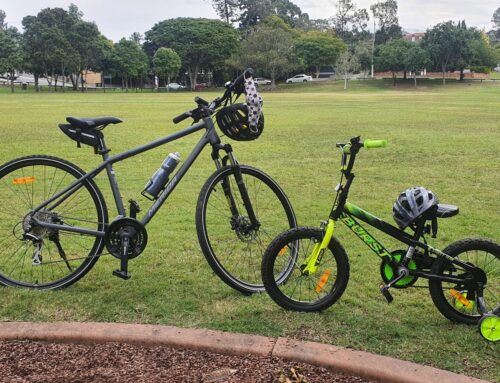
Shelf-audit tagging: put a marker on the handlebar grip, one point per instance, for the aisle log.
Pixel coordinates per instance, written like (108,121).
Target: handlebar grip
(371,144)
(181,117)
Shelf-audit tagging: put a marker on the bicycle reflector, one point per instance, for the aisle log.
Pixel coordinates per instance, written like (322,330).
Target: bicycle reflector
(461,300)
(24,180)
(322,280)
(283,251)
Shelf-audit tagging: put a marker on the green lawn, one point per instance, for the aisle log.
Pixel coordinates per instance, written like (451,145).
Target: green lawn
(446,139)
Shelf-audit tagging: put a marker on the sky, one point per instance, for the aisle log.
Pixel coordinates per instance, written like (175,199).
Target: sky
(117,21)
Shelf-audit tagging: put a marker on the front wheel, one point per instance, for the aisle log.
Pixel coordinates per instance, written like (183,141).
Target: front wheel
(303,290)
(459,302)
(233,246)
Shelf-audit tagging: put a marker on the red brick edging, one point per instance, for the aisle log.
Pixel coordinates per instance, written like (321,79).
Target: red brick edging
(360,363)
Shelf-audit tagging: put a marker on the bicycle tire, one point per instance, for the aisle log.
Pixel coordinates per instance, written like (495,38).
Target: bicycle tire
(479,250)
(284,294)
(29,199)
(238,267)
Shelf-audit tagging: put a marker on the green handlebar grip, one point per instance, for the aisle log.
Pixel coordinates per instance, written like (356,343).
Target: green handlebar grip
(370,144)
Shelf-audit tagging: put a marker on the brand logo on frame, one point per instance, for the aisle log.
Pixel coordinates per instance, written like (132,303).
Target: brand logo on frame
(367,238)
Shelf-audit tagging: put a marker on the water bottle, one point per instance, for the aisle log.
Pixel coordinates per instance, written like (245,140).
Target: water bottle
(158,181)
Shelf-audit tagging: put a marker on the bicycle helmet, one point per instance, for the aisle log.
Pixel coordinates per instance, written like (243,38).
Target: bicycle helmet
(233,121)
(243,122)
(411,204)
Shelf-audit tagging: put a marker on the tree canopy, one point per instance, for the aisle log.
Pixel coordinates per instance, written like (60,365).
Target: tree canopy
(200,43)
(386,15)
(318,49)
(166,63)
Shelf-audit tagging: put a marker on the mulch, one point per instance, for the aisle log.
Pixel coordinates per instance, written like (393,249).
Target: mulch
(38,362)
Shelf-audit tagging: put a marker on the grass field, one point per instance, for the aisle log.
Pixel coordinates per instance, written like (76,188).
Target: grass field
(446,139)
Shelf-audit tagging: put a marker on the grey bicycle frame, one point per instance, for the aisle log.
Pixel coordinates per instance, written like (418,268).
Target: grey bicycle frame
(210,137)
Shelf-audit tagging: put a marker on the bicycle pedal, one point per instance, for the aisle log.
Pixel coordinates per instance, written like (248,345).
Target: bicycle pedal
(385,292)
(121,274)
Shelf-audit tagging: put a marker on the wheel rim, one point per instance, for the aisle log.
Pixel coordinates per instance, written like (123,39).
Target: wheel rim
(31,255)
(300,287)
(489,326)
(237,249)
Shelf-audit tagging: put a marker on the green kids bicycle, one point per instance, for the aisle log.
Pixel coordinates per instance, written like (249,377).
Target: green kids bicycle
(464,278)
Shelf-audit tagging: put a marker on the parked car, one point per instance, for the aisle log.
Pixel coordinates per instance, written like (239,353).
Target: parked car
(262,81)
(299,78)
(201,86)
(496,69)
(175,86)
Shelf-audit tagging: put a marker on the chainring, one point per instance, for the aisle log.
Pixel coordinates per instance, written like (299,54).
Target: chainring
(135,230)
(387,273)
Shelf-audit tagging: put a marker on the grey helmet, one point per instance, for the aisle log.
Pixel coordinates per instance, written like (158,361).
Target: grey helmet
(411,204)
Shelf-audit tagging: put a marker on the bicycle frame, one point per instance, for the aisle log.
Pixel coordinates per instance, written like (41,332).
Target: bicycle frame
(347,218)
(210,137)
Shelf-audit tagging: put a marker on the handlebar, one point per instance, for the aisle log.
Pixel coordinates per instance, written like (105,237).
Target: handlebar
(371,144)
(237,86)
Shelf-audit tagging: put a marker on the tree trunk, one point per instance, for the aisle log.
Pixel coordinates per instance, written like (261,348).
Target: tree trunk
(63,78)
(55,82)
(415,78)
(37,88)
(404,76)
(12,74)
(317,72)
(444,73)
(82,82)
(462,75)
(345,81)
(168,82)
(394,78)
(193,73)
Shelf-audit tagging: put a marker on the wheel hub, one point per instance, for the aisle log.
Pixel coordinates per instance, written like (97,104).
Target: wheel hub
(37,231)
(243,228)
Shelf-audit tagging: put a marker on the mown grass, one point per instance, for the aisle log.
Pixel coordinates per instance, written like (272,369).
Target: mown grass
(444,138)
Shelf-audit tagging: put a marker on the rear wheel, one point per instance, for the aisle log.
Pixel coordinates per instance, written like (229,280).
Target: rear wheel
(458,302)
(304,291)
(232,247)
(37,257)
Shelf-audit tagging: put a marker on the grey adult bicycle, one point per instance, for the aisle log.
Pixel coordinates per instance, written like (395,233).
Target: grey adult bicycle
(55,225)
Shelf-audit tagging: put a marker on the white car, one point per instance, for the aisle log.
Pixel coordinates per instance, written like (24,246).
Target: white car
(175,86)
(299,78)
(262,81)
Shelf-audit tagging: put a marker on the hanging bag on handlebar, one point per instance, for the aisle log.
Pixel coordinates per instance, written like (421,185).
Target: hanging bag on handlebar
(243,121)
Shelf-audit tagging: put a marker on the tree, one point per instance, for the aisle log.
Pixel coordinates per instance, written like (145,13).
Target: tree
(10,53)
(416,59)
(496,18)
(391,56)
(3,16)
(128,61)
(270,49)
(442,44)
(363,52)
(226,9)
(59,42)
(386,14)
(167,63)
(319,49)
(346,64)
(137,38)
(200,43)
(349,22)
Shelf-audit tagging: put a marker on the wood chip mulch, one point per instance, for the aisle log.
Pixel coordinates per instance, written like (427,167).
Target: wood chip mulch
(38,362)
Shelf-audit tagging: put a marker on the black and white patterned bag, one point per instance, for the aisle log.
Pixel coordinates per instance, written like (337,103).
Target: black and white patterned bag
(254,104)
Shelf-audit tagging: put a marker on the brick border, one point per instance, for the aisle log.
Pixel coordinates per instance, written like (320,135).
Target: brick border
(360,363)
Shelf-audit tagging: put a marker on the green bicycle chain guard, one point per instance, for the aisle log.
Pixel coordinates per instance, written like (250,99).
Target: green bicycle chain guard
(489,327)
(387,272)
